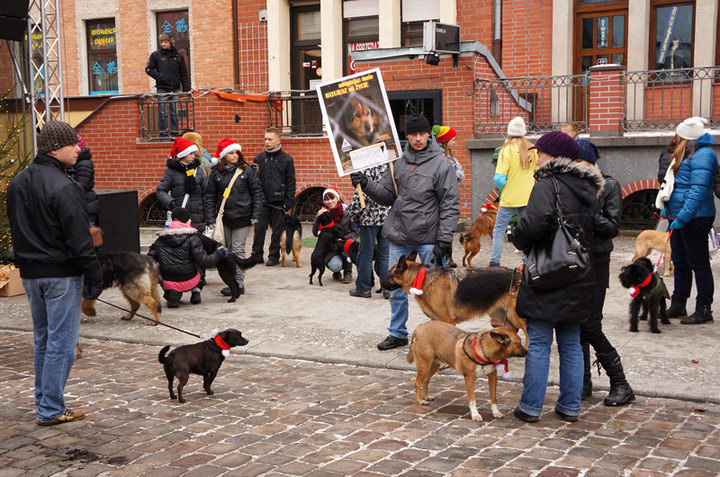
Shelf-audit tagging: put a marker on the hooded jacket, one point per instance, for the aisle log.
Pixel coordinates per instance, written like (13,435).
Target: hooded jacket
(579,187)
(168,69)
(606,220)
(276,171)
(692,194)
(244,202)
(49,224)
(180,254)
(171,190)
(427,206)
(84,174)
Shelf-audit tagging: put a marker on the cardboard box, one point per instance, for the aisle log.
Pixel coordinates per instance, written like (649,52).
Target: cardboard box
(13,286)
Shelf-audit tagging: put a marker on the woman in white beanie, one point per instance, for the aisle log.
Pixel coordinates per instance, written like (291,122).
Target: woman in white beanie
(514,180)
(691,210)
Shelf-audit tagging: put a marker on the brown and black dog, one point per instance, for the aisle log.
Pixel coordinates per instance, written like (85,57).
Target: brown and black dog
(454,295)
(136,276)
(483,225)
(202,358)
(435,343)
(649,240)
(291,240)
(361,122)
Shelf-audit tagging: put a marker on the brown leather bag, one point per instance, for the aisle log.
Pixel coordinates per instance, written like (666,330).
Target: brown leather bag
(97,235)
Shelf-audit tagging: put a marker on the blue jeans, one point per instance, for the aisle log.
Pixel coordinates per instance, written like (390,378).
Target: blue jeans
(398,298)
(165,102)
(335,264)
(690,254)
(503,218)
(55,310)
(537,367)
(368,235)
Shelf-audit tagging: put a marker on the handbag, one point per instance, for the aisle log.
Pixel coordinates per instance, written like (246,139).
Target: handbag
(666,187)
(219,232)
(560,258)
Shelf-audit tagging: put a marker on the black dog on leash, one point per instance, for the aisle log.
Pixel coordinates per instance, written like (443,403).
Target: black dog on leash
(648,292)
(327,243)
(228,266)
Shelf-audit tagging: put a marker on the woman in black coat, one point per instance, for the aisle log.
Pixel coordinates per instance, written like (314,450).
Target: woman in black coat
(560,311)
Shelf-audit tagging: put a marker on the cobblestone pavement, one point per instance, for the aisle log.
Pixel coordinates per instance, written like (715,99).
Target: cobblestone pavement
(288,417)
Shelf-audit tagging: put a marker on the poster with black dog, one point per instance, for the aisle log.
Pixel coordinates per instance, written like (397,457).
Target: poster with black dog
(360,126)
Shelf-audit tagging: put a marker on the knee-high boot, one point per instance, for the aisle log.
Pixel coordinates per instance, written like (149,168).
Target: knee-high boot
(620,391)
(587,376)
(347,271)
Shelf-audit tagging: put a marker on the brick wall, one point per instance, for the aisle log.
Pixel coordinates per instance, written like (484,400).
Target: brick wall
(527,38)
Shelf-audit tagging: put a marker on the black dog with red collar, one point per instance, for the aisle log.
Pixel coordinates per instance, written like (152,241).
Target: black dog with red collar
(648,292)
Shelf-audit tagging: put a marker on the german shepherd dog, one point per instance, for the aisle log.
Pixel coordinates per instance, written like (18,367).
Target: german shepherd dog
(435,342)
(327,242)
(227,267)
(137,278)
(291,240)
(454,295)
(483,225)
(649,240)
(202,358)
(648,292)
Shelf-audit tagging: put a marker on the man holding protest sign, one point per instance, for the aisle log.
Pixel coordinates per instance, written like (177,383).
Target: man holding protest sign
(422,189)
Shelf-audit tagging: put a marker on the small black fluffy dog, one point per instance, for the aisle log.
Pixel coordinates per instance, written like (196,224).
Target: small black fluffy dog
(227,267)
(648,292)
(202,358)
(327,243)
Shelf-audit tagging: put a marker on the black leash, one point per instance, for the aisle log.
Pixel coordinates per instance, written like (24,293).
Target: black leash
(149,319)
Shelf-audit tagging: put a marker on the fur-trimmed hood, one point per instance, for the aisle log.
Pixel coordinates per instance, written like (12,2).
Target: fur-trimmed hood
(175,237)
(591,182)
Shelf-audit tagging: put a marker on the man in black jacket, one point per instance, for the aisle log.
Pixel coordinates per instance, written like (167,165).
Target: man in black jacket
(276,171)
(167,66)
(54,251)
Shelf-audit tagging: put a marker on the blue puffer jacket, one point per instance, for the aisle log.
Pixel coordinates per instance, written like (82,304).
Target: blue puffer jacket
(692,194)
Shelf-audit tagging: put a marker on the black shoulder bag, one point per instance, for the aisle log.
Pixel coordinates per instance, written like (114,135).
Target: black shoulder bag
(560,258)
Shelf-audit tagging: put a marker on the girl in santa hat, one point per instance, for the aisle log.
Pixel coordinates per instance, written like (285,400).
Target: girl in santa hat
(243,206)
(337,261)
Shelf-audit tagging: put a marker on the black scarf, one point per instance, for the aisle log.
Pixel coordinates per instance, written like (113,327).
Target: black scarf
(178,165)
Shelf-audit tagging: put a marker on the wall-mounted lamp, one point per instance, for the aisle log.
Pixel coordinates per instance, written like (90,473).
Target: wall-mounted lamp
(237,118)
(432,59)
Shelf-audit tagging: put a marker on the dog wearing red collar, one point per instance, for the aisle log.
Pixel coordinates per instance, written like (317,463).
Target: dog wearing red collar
(648,293)
(202,358)
(470,354)
(326,246)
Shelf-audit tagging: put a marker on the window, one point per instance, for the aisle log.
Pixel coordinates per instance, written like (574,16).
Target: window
(176,25)
(361,29)
(102,57)
(414,14)
(671,30)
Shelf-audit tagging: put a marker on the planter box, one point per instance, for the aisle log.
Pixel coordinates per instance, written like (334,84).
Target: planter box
(13,286)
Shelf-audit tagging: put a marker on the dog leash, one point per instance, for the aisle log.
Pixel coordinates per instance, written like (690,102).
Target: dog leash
(662,252)
(149,319)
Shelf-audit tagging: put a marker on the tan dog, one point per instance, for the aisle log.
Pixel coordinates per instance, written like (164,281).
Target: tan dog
(649,240)
(434,343)
(454,295)
(483,225)
(361,122)
(291,240)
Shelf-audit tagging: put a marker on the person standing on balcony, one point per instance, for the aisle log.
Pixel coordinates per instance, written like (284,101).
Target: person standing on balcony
(167,66)
(514,179)
(276,170)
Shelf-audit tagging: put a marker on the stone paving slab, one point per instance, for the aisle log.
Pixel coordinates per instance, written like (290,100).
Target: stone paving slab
(287,417)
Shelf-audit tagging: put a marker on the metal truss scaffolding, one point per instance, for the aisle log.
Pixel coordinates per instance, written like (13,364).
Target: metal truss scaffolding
(45,63)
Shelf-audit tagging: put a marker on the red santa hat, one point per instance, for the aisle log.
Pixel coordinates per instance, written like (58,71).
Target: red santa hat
(226,146)
(182,147)
(331,191)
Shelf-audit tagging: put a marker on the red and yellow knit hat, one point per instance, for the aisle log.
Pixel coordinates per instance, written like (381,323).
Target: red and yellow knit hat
(443,133)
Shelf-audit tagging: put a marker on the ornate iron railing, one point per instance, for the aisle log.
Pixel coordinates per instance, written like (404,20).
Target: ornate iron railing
(296,112)
(166,115)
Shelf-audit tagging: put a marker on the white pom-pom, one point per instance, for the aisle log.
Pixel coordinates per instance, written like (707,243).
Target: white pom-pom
(214,333)
(226,352)
(415,291)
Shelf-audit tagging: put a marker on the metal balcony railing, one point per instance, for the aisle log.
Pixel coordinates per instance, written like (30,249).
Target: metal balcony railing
(166,115)
(296,112)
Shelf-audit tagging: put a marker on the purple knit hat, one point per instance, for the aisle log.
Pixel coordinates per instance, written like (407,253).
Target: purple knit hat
(557,144)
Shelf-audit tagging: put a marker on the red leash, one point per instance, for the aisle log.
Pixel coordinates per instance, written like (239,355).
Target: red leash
(662,252)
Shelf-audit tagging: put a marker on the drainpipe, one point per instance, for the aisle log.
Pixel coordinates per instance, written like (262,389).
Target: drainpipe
(497,31)
(236,46)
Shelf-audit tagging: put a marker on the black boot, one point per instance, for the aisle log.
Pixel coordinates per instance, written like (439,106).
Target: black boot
(347,272)
(173,299)
(620,391)
(587,376)
(703,314)
(677,307)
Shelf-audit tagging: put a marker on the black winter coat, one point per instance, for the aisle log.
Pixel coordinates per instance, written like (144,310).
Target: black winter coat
(606,221)
(49,224)
(180,254)
(244,202)
(84,174)
(276,171)
(579,186)
(168,69)
(171,190)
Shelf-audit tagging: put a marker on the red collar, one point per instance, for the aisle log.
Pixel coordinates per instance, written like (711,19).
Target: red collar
(346,247)
(221,343)
(331,224)
(417,285)
(645,282)
(502,364)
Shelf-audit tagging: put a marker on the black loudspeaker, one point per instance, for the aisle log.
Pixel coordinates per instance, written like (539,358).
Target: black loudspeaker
(119,220)
(13,19)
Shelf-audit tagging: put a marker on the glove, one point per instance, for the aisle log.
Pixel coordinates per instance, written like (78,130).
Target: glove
(222,251)
(676,224)
(441,250)
(663,213)
(92,292)
(358,178)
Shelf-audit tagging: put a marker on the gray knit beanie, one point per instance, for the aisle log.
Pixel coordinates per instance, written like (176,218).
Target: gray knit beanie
(55,135)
